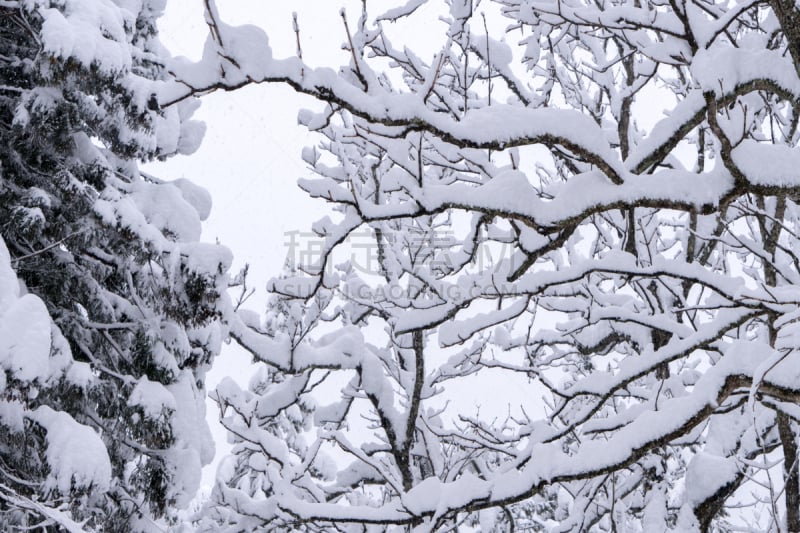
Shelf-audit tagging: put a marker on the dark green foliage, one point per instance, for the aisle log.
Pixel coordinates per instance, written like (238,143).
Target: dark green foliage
(71,134)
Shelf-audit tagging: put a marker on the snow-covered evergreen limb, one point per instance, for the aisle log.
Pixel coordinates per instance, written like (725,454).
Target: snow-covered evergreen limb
(110,307)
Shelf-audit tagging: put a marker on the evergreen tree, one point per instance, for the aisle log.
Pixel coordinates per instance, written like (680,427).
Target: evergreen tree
(127,302)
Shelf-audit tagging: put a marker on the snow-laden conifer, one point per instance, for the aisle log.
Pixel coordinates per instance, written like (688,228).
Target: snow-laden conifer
(111,307)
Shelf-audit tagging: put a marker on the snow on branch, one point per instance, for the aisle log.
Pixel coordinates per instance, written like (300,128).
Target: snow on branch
(576,308)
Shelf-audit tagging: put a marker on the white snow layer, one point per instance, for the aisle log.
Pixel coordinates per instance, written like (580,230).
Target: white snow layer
(76,455)
(32,350)
(27,332)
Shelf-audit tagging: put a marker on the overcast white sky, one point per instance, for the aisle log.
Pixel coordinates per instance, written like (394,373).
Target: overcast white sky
(250,158)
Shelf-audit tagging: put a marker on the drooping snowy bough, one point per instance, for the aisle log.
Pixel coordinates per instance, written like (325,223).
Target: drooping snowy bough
(110,306)
(588,218)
